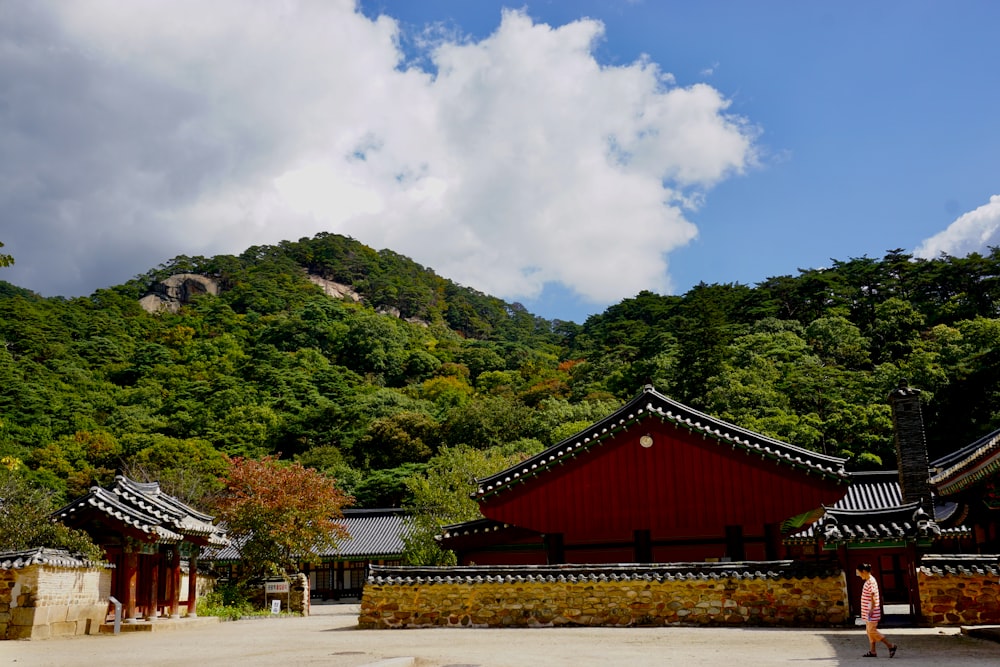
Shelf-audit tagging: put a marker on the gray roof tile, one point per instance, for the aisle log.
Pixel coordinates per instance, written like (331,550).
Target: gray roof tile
(871,507)
(373,533)
(15,560)
(146,508)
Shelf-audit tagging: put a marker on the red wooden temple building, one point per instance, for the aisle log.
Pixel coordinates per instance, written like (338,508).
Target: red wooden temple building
(656,481)
(659,482)
(148,535)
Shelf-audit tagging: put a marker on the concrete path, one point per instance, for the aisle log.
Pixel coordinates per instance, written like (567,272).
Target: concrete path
(330,637)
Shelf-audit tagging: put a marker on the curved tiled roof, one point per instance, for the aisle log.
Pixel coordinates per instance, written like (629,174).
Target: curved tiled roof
(873,494)
(15,560)
(473,527)
(652,404)
(373,533)
(144,507)
(967,465)
(980,564)
(903,522)
(872,490)
(517,574)
(149,497)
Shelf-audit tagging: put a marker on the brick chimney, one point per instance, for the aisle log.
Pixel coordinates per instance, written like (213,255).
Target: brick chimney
(911,446)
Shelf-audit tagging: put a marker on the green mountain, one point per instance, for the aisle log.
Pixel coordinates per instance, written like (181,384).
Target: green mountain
(257,358)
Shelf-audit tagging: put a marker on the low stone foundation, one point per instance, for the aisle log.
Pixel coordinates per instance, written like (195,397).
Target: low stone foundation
(48,593)
(959,590)
(776,593)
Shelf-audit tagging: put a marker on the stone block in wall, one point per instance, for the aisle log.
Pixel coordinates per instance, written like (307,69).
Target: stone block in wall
(61,629)
(77,612)
(26,632)
(24,616)
(95,619)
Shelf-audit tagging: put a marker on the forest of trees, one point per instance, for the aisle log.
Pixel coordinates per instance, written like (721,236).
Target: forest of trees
(390,407)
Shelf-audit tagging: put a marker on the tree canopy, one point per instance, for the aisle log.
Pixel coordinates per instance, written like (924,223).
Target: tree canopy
(25,521)
(279,513)
(371,391)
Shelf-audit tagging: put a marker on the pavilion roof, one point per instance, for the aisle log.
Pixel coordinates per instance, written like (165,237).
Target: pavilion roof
(146,508)
(650,404)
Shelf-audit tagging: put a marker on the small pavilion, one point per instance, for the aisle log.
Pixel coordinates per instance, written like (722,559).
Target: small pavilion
(148,535)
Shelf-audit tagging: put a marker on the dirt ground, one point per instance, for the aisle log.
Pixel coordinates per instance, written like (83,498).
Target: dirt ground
(330,637)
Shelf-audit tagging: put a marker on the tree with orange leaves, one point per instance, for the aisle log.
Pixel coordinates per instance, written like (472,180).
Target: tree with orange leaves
(279,513)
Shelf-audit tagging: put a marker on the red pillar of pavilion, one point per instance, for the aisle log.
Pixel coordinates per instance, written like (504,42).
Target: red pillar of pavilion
(174,582)
(154,585)
(130,578)
(192,601)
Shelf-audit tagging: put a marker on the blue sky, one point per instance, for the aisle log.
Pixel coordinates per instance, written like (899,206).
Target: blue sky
(562,154)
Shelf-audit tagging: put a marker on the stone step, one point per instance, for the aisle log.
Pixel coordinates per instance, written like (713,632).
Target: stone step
(162,624)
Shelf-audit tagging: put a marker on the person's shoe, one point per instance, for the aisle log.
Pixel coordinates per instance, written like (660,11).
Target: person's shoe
(870,655)
(892,651)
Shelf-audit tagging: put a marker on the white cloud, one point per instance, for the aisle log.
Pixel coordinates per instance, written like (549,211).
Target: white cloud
(974,231)
(138,131)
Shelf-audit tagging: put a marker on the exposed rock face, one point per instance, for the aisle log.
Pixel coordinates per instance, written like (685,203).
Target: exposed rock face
(337,290)
(341,291)
(179,289)
(176,291)
(392,311)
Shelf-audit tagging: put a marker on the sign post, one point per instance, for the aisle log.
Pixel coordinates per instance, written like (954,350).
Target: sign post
(276,588)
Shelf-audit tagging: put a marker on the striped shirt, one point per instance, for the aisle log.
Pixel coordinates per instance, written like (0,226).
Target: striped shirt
(871,601)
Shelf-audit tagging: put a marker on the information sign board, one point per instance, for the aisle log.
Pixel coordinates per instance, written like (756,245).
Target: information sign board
(275,587)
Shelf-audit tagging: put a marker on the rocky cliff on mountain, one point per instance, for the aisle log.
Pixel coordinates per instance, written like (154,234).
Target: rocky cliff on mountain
(176,291)
(334,289)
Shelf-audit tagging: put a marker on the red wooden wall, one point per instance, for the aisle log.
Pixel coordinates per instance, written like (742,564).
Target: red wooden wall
(684,486)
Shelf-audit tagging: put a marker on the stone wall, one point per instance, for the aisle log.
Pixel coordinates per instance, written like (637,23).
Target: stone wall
(47,600)
(959,590)
(758,594)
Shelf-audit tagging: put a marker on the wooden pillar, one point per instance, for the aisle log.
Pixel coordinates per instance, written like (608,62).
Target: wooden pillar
(642,546)
(555,549)
(772,541)
(853,609)
(192,601)
(912,584)
(735,544)
(174,574)
(154,584)
(129,580)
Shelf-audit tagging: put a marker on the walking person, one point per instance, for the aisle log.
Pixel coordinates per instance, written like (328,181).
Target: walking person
(871,612)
